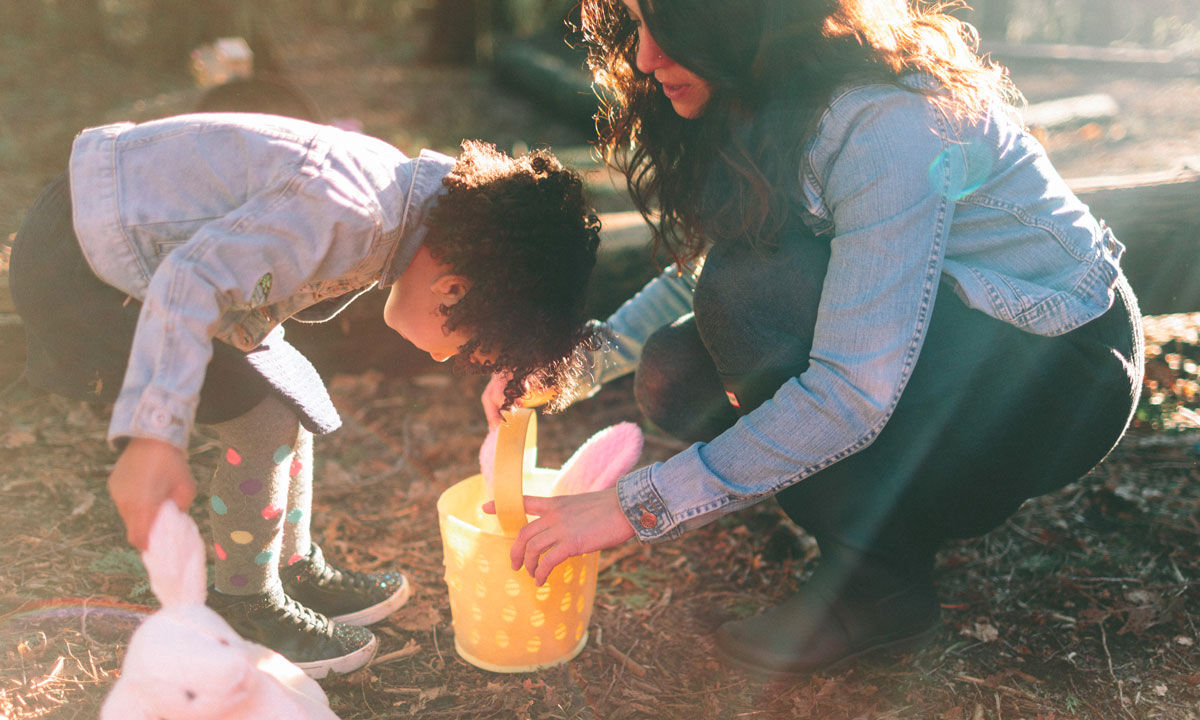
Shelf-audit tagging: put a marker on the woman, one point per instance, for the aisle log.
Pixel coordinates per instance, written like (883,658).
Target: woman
(894,317)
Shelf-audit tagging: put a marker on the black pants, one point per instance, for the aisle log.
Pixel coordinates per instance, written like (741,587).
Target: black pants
(991,416)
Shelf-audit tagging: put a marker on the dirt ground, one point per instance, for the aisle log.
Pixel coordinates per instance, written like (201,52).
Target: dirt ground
(1083,605)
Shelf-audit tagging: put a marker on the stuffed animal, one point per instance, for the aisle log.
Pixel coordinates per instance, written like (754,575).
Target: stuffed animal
(596,465)
(185,662)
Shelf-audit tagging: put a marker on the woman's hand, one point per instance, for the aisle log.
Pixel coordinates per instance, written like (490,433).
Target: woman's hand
(567,525)
(147,473)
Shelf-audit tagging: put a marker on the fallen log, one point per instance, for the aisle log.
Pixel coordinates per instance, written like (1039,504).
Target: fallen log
(1157,217)
(1080,109)
(1150,60)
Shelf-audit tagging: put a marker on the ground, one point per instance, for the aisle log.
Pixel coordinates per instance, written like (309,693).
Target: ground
(1083,605)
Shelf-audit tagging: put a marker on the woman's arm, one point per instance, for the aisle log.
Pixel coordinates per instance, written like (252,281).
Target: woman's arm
(879,169)
(661,301)
(878,173)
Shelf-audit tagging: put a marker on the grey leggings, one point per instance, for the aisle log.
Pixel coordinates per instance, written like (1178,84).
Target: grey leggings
(991,416)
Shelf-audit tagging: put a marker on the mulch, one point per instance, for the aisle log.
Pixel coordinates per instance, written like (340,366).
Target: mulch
(1083,605)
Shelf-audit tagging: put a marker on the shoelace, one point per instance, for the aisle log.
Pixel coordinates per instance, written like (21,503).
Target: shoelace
(301,616)
(325,574)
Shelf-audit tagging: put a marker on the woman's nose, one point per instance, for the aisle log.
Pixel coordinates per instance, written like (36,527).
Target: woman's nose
(650,56)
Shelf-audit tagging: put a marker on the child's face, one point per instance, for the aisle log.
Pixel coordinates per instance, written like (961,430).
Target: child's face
(413,308)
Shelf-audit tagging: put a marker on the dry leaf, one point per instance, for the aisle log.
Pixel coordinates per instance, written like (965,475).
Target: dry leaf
(983,632)
(417,617)
(19,438)
(89,499)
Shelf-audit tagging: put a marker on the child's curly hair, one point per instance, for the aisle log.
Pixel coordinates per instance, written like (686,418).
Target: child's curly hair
(520,231)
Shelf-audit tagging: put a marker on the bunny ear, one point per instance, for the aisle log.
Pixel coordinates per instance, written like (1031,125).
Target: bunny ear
(174,558)
(602,460)
(487,457)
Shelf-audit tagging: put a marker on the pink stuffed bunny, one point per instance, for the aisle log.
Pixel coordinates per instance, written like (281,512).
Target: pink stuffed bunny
(184,662)
(596,465)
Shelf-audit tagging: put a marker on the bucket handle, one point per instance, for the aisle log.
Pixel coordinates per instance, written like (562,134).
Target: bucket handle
(516,456)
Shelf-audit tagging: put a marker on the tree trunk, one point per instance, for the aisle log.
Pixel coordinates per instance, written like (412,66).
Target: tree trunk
(454,33)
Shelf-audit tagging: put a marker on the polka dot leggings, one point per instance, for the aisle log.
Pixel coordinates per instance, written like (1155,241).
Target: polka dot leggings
(260,497)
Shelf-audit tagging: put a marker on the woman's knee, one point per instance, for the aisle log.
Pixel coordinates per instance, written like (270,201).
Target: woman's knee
(677,387)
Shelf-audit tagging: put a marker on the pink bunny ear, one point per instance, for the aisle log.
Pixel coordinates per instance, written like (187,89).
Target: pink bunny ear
(174,558)
(601,461)
(487,457)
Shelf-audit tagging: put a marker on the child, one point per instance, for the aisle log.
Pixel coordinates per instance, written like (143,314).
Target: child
(156,273)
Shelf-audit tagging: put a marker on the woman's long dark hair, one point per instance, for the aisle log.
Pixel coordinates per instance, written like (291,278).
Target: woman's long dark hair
(772,66)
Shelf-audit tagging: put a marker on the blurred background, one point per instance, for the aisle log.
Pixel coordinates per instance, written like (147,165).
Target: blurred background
(1113,87)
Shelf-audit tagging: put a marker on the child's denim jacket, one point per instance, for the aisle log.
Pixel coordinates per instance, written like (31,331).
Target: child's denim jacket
(225,225)
(907,198)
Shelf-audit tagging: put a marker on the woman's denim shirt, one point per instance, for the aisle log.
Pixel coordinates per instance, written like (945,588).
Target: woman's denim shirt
(907,198)
(225,225)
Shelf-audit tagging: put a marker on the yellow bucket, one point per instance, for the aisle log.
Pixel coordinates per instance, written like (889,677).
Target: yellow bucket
(503,621)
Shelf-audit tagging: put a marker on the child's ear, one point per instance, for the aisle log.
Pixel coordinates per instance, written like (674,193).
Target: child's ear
(451,288)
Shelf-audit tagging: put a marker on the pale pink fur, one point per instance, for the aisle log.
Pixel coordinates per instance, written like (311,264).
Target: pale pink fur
(596,465)
(186,663)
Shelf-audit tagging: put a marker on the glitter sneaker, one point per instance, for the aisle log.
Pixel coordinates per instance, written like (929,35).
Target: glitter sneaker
(346,596)
(317,645)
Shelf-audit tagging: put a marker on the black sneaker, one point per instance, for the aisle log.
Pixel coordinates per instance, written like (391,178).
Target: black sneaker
(317,645)
(346,596)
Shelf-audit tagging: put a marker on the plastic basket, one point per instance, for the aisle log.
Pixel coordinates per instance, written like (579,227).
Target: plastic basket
(503,621)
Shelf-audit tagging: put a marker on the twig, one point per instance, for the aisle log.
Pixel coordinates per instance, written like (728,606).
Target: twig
(627,661)
(1026,534)
(410,648)
(1112,674)
(58,666)
(1102,579)
(617,556)
(999,688)
(436,648)
(12,386)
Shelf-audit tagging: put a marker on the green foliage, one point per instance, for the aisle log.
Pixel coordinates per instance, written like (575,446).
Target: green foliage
(124,561)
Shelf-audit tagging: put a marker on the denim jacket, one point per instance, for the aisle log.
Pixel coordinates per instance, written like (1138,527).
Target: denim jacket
(225,225)
(907,197)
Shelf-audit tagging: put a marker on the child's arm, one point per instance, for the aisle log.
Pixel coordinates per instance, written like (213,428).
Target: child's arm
(148,472)
(662,301)
(232,272)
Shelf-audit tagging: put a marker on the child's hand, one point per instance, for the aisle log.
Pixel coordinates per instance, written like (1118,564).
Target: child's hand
(567,525)
(493,398)
(147,473)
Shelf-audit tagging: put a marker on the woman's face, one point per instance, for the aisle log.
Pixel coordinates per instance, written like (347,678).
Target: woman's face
(686,90)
